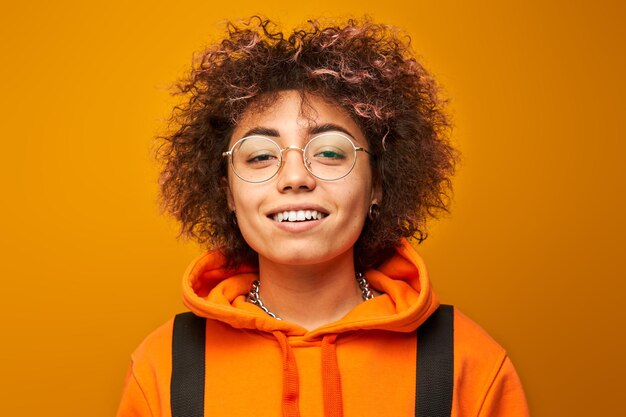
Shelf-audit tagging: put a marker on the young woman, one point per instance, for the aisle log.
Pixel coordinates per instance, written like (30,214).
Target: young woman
(305,162)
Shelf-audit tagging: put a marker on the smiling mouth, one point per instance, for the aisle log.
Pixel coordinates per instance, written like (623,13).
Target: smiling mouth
(298,216)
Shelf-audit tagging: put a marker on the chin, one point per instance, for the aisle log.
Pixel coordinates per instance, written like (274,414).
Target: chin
(305,254)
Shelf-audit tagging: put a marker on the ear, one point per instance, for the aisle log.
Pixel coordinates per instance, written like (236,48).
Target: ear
(229,194)
(377,193)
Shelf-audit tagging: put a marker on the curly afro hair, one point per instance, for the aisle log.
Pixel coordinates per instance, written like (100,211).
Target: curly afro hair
(367,69)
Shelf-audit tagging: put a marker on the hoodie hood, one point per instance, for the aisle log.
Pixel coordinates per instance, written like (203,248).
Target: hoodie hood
(406,301)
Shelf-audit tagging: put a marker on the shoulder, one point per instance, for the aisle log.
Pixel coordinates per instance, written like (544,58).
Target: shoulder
(154,353)
(476,353)
(471,340)
(146,388)
(477,356)
(485,380)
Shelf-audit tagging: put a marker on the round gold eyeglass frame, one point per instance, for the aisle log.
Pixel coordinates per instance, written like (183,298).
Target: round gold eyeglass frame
(305,161)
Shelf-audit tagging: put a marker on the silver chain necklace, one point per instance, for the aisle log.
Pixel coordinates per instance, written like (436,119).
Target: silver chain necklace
(255,298)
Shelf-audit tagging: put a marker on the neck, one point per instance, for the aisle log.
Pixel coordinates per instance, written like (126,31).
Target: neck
(310,295)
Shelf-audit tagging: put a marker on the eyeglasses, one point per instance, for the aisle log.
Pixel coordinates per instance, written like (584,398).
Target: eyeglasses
(329,156)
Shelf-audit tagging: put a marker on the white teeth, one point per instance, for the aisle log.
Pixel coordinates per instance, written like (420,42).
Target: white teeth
(298,216)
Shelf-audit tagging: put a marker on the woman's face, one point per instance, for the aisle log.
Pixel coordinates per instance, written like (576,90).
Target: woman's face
(344,203)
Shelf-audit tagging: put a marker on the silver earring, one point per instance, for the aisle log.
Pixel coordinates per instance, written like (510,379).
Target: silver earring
(374,212)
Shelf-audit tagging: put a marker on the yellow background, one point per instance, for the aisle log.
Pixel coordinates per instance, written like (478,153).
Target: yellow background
(533,249)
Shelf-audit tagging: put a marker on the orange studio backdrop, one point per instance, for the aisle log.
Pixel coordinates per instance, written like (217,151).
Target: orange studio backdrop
(533,249)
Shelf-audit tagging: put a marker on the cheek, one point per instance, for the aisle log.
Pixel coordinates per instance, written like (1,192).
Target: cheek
(243,199)
(356,204)
(246,202)
(361,192)
(237,192)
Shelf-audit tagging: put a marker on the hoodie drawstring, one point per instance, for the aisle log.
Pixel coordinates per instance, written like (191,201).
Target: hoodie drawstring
(331,379)
(291,383)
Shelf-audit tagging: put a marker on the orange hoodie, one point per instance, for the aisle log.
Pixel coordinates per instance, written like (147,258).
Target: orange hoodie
(360,366)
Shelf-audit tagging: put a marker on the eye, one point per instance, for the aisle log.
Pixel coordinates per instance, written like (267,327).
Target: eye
(264,157)
(260,160)
(329,154)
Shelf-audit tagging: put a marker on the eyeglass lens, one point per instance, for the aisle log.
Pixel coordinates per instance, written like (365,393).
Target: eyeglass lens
(328,157)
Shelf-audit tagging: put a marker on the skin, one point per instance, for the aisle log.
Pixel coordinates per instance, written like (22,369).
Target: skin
(304,267)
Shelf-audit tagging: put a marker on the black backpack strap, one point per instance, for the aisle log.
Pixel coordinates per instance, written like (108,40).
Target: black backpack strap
(187,383)
(434,381)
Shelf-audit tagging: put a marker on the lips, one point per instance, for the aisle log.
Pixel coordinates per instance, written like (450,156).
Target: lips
(297,215)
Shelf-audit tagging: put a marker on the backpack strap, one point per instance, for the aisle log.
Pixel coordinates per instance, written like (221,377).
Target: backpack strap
(434,365)
(434,381)
(188,362)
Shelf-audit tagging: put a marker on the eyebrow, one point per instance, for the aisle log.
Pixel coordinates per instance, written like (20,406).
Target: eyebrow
(326,127)
(330,127)
(262,131)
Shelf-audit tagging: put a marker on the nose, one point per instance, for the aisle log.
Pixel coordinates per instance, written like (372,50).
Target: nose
(293,176)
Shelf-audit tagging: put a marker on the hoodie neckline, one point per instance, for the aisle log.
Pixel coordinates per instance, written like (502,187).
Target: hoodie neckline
(407,299)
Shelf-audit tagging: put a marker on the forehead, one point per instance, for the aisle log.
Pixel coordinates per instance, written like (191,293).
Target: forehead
(294,113)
